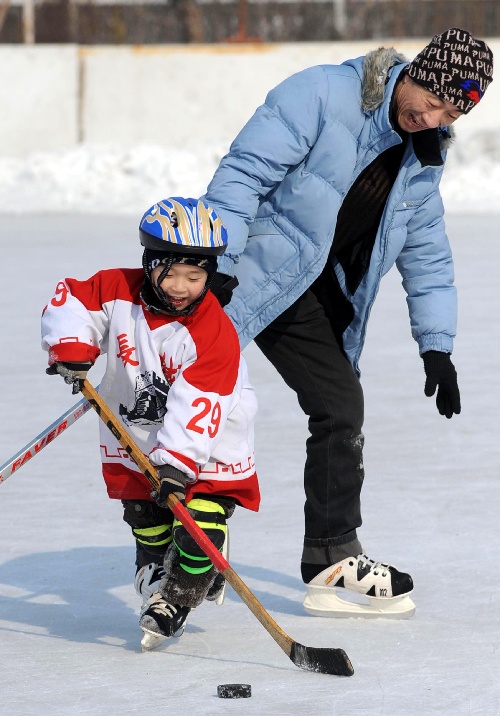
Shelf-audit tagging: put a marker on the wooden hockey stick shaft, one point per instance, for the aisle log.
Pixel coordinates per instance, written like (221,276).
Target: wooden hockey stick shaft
(331,661)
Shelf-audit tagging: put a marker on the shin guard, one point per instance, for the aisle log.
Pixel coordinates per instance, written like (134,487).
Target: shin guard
(189,573)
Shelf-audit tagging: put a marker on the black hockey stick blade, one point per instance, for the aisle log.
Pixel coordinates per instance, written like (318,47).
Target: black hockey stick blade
(322,661)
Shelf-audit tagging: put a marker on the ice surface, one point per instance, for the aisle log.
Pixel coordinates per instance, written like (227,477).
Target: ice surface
(69,636)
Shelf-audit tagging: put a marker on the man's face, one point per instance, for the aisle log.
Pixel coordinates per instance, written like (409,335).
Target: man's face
(415,108)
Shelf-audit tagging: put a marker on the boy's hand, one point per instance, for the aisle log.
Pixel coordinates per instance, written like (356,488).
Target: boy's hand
(172,482)
(72,373)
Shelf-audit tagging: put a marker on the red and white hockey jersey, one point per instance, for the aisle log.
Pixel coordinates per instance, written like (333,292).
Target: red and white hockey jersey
(179,385)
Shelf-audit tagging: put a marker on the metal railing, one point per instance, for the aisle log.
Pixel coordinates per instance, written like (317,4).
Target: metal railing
(212,21)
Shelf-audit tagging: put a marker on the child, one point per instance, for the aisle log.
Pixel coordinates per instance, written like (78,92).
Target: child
(176,378)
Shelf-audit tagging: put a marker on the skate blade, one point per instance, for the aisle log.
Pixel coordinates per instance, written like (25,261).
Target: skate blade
(220,599)
(151,640)
(326,602)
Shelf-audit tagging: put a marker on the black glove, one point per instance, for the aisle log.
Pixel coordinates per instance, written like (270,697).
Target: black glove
(441,374)
(172,482)
(222,286)
(73,373)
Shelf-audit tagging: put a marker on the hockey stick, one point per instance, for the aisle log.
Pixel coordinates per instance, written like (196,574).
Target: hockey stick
(44,438)
(320,660)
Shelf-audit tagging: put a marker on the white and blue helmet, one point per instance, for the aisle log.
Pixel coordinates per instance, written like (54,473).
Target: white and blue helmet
(178,230)
(183,225)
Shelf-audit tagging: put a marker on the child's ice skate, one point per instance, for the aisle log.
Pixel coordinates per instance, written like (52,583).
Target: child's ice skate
(160,620)
(147,582)
(360,587)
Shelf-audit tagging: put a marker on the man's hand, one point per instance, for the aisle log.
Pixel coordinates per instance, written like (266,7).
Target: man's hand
(222,286)
(441,374)
(72,373)
(172,482)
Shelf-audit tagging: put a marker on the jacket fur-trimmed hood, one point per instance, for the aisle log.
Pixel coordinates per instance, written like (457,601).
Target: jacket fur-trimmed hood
(376,67)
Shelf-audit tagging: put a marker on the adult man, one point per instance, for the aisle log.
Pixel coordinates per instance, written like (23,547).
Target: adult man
(332,181)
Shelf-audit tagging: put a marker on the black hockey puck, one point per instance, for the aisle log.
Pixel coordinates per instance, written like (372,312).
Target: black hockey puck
(234,691)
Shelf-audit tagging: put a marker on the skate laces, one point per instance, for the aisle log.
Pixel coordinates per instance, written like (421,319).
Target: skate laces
(158,604)
(375,567)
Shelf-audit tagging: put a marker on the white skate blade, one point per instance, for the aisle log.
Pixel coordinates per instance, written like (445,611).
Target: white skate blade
(325,602)
(220,599)
(225,553)
(151,640)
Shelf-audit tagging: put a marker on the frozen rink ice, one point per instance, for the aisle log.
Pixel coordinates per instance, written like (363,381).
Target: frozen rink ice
(69,636)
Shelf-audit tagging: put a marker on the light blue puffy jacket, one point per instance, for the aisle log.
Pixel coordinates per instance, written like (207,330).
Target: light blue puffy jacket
(279,190)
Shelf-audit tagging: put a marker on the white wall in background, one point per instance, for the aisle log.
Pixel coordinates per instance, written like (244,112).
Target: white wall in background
(40,88)
(56,96)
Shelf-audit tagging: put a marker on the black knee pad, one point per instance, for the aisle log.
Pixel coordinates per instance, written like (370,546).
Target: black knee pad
(210,516)
(152,529)
(186,543)
(144,513)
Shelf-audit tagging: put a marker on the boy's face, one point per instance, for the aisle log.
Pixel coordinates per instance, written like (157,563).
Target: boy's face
(182,285)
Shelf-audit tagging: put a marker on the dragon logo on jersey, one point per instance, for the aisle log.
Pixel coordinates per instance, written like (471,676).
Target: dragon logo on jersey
(150,403)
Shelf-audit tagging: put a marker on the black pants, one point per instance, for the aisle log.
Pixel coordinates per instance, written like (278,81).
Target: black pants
(303,346)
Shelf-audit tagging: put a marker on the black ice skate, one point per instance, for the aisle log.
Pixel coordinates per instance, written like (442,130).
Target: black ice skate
(160,620)
(360,587)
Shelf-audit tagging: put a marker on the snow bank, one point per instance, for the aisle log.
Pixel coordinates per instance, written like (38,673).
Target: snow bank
(117,180)
(105,129)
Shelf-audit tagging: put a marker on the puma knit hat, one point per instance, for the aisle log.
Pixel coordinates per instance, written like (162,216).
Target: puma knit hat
(454,66)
